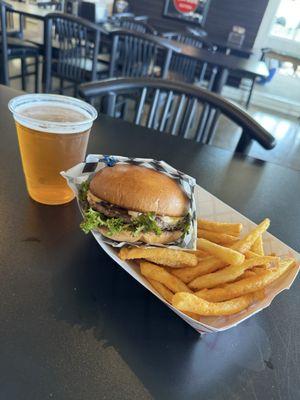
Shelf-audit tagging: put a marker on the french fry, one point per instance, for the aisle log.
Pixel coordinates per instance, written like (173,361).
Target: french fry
(205,266)
(251,254)
(191,303)
(247,285)
(225,254)
(200,254)
(192,315)
(220,227)
(159,274)
(260,269)
(246,243)
(246,274)
(163,256)
(162,290)
(168,295)
(258,246)
(227,274)
(216,237)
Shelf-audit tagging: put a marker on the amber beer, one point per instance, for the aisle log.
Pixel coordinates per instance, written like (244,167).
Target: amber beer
(53,133)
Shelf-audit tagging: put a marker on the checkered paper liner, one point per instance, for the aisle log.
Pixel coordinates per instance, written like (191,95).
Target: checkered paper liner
(95,162)
(210,207)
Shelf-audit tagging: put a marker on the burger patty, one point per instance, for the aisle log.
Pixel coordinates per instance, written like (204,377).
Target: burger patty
(113,211)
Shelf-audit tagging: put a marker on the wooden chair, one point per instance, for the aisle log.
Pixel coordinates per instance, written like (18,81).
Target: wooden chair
(71,51)
(13,47)
(175,108)
(137,54)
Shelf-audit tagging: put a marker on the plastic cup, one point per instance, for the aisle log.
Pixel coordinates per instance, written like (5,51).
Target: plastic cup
(53,133)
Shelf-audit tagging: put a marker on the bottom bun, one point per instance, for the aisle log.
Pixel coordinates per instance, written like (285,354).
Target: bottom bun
(150,238)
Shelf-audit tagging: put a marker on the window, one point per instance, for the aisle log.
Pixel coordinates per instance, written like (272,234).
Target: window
(287,20)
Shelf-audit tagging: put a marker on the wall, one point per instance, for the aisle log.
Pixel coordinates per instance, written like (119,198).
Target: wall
(222,15)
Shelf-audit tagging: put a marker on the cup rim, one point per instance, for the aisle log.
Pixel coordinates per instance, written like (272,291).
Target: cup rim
(20,100)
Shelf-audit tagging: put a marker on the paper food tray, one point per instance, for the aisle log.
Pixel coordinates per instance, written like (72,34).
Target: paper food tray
(208,207)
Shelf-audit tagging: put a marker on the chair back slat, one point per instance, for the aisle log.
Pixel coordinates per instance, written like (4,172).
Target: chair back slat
(202,123)
(188,117)
(153,109)
(212,78)
(139,110)
(166,111)
(175,108)
(178,114)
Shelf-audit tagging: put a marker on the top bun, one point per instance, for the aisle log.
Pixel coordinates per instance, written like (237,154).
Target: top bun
(140,189)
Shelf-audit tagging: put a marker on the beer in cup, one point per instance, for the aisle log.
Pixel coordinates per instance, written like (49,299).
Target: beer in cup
(53,133)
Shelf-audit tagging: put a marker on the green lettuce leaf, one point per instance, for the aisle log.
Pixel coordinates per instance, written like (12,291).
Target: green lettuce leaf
(92,220)
(145,223)
(82,193)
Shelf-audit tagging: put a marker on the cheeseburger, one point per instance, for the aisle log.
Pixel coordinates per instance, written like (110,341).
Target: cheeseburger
(129,203)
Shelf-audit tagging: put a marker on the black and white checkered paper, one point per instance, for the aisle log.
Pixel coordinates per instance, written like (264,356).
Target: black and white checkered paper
(94,162)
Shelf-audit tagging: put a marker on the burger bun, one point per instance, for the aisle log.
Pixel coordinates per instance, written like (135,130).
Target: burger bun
(149,238)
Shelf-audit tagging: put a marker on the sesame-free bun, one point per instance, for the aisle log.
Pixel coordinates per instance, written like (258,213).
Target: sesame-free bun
(140,189)
(149,238)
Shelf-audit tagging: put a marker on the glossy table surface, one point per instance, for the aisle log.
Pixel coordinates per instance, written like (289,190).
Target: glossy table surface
(75,326)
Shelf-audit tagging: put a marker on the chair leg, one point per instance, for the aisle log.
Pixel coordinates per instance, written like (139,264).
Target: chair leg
(61,86)
(250,94)
(244,144)
(37,75)
(23,73)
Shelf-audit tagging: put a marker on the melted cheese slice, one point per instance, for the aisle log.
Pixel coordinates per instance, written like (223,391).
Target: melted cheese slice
(92,198)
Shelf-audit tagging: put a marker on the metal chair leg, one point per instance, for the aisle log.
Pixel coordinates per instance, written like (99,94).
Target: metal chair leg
(37,75)
(250,94)
(61,86)
(23,73)
(244,144)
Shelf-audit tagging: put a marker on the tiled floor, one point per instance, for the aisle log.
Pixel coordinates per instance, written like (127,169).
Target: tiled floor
(286,130)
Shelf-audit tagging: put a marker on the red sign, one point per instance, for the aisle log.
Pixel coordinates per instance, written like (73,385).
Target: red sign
(185,6)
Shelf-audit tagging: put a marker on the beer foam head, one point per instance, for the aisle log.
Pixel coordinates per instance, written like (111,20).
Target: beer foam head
(52,113)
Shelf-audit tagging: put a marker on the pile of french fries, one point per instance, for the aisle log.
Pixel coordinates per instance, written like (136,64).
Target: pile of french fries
(225,275)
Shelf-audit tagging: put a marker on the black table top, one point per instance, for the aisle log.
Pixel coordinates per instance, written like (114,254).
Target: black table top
(76,326)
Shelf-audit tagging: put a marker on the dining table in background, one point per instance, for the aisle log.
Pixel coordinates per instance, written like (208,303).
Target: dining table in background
(251,68)
(75,326)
